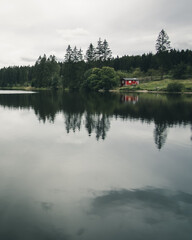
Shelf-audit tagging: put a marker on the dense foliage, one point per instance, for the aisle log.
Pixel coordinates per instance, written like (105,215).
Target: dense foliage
(175,87)
(104,78)
(98,69)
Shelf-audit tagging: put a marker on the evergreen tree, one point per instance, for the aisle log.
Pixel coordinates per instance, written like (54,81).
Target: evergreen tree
(103,52)
(99,50)
(163,47)
(54,72)
(90,54)
(22,78)
(41,71)
(69,54)
(107,54)
(46,72)
(162,42)
(80,55)
(75,56)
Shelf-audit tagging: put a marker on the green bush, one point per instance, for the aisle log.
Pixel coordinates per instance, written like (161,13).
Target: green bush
(175,87)
(104,78)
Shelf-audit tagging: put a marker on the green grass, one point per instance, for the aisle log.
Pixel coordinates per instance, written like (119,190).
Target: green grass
(159,85)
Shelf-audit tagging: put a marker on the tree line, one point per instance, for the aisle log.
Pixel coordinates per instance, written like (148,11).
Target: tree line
(98,69)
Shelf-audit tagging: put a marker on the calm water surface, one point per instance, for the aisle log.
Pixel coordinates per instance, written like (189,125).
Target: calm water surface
(95,166)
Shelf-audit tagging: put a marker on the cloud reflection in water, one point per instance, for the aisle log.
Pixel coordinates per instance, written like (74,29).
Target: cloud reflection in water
(144,213)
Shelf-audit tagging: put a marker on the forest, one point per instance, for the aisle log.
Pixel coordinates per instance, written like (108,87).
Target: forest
(98,69)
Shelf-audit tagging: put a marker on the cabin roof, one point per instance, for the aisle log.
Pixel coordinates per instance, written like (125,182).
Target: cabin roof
(130,79)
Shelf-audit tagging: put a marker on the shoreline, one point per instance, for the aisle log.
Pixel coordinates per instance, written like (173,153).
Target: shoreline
(148,91)
(118,90)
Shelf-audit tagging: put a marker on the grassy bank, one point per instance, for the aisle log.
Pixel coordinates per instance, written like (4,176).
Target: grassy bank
(151,86)
(159,85)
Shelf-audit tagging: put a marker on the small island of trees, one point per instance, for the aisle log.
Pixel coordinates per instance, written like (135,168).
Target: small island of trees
(98,69)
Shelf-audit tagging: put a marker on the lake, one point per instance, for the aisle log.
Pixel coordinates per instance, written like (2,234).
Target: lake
(95,166)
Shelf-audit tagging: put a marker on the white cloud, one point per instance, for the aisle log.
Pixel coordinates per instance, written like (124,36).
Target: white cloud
(69,34)
(32,28)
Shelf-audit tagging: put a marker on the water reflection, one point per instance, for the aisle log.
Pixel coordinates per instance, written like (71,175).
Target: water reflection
(15,92)
(54,176)
(94,111)
(148,213)
(191,131)
(21,219)
(129,98)
(46,206)
(160,134)
(177,203)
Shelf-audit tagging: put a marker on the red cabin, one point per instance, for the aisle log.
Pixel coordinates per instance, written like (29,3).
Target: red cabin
(129,82)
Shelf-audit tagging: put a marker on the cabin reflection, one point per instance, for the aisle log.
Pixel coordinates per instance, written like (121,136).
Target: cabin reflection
(129,98)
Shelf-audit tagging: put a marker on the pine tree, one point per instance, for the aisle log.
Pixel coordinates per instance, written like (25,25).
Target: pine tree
(90,53)
(163,47)
(80,55)
(99,50)
(162,42)
(69,54)
(107,54)
(103,52)
(75,57)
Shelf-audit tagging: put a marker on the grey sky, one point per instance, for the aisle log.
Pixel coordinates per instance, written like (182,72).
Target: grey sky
(34,27)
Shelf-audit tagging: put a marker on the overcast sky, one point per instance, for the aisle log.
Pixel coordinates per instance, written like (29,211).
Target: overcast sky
(30,28)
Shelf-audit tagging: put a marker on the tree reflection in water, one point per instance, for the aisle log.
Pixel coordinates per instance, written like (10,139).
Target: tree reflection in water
(94,110)
(160,135)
